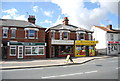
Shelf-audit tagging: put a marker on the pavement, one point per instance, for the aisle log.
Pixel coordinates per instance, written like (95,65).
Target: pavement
(49,62)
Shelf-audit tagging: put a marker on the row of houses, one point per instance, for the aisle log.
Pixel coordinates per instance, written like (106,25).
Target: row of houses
(25,39)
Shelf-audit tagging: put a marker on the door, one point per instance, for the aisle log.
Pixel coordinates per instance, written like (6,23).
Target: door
(20,51)
(87,50)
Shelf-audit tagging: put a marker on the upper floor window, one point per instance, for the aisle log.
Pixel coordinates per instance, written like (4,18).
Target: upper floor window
(53,35)
(112,37)
(13,32)
(5,32)
(89,36)
(31,33)
(65,35)
(82,36)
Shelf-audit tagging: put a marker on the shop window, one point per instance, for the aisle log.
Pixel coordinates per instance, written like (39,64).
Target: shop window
(34,50)
(28,50)
(65,35)
(5,32)
(80,50)
(65,50)
(13,33)
(12,50)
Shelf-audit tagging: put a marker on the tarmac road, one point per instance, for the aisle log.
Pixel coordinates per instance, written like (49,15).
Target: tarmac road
(106,68)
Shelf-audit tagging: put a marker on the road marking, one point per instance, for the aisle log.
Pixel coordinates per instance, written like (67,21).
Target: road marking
(23,69)
(118,68)
(67,74)
(61,75)
(91,71)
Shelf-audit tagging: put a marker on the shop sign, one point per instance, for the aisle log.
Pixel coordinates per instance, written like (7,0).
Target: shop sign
(113,42)
(85,42)
(25,43)
(63,42)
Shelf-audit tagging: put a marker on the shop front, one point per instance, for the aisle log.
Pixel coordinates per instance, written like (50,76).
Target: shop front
(85,48)
(24,50)
(62,48)
(113,47)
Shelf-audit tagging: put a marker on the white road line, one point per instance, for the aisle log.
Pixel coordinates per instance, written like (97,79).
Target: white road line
(67,75)
(61,75)
(91,71)
(118,68)
(23,69)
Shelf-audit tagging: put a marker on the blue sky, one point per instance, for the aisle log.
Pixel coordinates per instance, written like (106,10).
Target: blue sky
(81,14)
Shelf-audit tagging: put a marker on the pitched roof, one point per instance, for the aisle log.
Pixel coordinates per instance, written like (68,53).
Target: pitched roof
(68,27)
(17,23)
(107,29)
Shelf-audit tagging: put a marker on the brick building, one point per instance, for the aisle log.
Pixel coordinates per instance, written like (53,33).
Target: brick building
(65,39)
(22,39)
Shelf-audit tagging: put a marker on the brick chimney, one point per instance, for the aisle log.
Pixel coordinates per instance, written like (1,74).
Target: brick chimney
(109,27)
(31,19)
(65,21)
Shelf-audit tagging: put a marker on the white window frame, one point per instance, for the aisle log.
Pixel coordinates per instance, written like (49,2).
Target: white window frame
(89,36)
(60,35)
(10,51)
(31,50)
(5,28)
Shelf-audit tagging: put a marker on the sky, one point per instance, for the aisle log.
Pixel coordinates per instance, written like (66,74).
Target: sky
(48,13)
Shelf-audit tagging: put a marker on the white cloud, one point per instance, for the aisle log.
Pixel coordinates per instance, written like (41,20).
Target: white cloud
(82,17)
(35,8)
(46,22)
(48,13)
(12,14)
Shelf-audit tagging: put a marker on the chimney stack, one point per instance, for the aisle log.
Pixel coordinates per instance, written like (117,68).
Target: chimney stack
(65,21)
(109,27)
(31,19)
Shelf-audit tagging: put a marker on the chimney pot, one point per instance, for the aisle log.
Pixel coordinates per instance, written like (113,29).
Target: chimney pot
(109,27)
(31,19)
(65,21)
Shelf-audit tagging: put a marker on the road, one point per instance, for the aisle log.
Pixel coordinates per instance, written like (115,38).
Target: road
(106,68)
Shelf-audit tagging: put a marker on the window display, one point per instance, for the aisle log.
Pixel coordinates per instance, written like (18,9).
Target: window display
(80,50)
(65,50)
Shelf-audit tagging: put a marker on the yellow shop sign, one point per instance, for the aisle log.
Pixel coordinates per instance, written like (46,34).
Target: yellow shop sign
(85,42)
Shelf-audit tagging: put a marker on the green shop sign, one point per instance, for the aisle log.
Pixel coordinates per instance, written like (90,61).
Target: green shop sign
(26,43)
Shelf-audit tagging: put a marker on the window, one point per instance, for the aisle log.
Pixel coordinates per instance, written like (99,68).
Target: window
(5,32)
(28,50)
(65,50)
(65,35)
(53,35)
(89,36)
(12,50)
(82,36)
(34,50)
(31,33)
(112,36)
(13,33)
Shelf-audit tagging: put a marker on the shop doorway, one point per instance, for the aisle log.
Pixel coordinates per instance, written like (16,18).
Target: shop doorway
(20,51)
(87,50)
